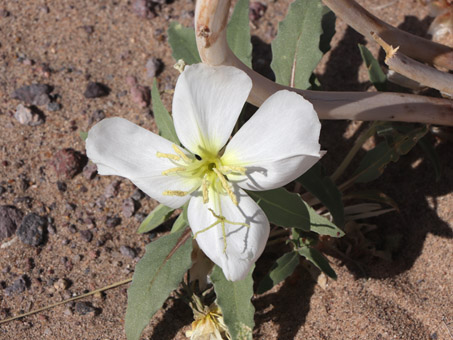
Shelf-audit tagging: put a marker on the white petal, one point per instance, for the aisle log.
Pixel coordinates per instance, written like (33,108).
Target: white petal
(277,145)
(119,147)
(207,104)
(243,244)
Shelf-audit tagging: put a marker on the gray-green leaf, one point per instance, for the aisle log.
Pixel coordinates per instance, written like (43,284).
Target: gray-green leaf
(234,299)
(156,275)
(296,50)
(319,260)
(183,43)
(181,222)
(281,269)
(377,76)
(155,218)
(289,210)
(238,33)
(163,119)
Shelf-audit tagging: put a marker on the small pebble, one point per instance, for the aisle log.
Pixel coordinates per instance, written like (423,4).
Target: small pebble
(144,8)
(112,221)
(112,189)
(256,10)
(32,229)
(86,235)
(10,219)
(62,187)
(96,90)
(84,308)
(90,170)
(34,94)
(137,195)
(18,286)
(68,163)
(53,106)
(27,116)
(140,95)
(97,116)
(128,252)
(129,207)
(154,67)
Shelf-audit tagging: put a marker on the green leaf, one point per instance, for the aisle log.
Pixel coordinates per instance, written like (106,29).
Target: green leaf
(234,299)
(289,210)
(83,135)
(155,218)
(372,195)
(156,275)
(296,50)
(396,144)
(323,188)
(319,260)
(281,269)
(163,119)
(181,222)
(377,76)
(328,29)
(238,33)
(183,43)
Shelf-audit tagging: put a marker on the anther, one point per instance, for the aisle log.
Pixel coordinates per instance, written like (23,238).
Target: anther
(225,185)
(198,157)
(173,170)
(175,193)
(181,153)
(204,187)
(168,155)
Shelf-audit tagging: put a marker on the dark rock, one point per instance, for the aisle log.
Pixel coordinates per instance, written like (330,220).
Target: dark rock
(2,190)
(10,219)
(96,90)
(62,187)
(18,286)
(32,229)
(256,10)
(72,229)
(154,67)
(112,189)
(34,94)
(128,251)
(129,207)
(53,106)
(112,221)
(68,163)
(84,308)
(86,235)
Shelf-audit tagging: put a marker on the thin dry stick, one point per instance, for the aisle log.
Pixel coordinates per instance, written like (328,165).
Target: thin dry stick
(114,285)
(415,70)
(416,47)
(211,18)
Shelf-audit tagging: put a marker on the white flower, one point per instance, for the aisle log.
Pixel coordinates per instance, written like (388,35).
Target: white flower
(276,145)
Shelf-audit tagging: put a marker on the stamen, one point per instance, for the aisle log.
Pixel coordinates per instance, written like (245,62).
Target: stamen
(175,193)
(173,170)
(168,155)
(226,186)
(181,153)
(204,186)
(232,168)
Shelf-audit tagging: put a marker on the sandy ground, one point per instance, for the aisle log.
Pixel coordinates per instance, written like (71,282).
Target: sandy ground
(67,44)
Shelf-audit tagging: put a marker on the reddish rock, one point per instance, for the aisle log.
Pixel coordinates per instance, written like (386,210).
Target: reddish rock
(68,163)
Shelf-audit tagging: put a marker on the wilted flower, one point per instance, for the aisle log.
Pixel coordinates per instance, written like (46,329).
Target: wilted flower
(441,28)
(276,145)
(208,324)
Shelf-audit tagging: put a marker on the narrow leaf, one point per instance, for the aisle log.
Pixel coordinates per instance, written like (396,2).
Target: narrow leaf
(163,119)
(296,50)
(238,33)
(181,222)
(155,218)
(323,188)
(375,160)
(289,210)
(234,299)
(319,260)
(156,275)
(372,195)
(281,269)
(183,43)
(377,76)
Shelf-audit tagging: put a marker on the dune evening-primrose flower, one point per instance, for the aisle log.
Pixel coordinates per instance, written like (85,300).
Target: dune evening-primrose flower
(275,146)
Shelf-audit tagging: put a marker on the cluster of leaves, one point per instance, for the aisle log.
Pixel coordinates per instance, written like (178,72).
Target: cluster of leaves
(303,37)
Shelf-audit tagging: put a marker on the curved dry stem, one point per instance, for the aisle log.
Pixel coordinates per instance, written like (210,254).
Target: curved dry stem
(421,73)
(211,18)
(413,46)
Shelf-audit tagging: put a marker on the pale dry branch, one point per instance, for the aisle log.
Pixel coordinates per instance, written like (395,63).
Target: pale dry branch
(211,18)
(421,73)
(411,45)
